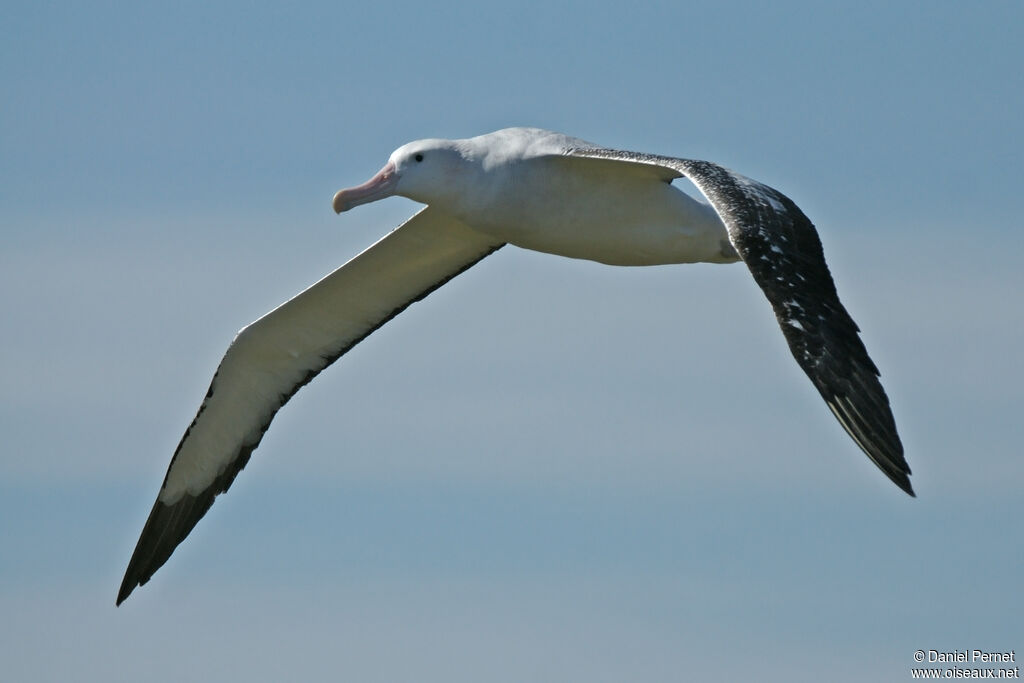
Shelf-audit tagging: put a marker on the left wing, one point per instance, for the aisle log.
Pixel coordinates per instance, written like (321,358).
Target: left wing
(278,354)
(783,252)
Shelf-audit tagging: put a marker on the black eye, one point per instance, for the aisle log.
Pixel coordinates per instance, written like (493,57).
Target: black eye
(418,157)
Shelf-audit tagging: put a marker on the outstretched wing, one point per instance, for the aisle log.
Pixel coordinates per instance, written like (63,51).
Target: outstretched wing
(781,248)
(275,356)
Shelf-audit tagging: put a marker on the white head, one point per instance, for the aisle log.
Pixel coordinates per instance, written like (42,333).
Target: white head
(427,171)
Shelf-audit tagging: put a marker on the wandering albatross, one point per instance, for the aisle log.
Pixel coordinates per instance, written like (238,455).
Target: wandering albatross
(537,190)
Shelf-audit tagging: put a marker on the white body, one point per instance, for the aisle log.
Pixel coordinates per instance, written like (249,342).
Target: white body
(527,193)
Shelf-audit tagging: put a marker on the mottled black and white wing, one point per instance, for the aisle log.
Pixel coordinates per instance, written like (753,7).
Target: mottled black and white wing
(275,356)
(783,252)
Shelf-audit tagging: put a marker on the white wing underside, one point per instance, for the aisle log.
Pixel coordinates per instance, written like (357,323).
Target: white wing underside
(275,356)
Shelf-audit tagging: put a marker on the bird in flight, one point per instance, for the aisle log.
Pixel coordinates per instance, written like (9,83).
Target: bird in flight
(539,190)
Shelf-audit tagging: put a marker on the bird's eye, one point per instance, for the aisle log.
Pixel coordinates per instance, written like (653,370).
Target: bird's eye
(418,157)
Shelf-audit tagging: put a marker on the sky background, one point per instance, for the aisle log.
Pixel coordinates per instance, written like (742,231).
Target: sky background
(549,470)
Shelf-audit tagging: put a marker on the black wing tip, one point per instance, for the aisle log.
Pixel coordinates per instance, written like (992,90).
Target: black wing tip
(166,527)
(154,547)
(892,463)
(141,568)
(876,437)
(886,454)
(902,480)
(127,586)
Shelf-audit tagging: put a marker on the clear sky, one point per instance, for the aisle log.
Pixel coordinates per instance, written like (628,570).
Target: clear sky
(549,470)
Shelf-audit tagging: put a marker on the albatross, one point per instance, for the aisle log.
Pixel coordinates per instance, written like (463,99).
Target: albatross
(539,190)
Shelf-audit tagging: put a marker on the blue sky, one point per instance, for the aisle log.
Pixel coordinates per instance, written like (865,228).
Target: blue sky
(549,470)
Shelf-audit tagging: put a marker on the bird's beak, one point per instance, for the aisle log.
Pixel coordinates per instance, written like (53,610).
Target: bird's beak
(379,186)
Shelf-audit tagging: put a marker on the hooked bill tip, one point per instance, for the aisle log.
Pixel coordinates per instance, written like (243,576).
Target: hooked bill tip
(339,202)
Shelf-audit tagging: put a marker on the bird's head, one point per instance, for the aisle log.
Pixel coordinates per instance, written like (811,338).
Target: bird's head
(427,171)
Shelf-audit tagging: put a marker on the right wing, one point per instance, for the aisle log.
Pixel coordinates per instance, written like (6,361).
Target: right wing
(783,252)
(278,354)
